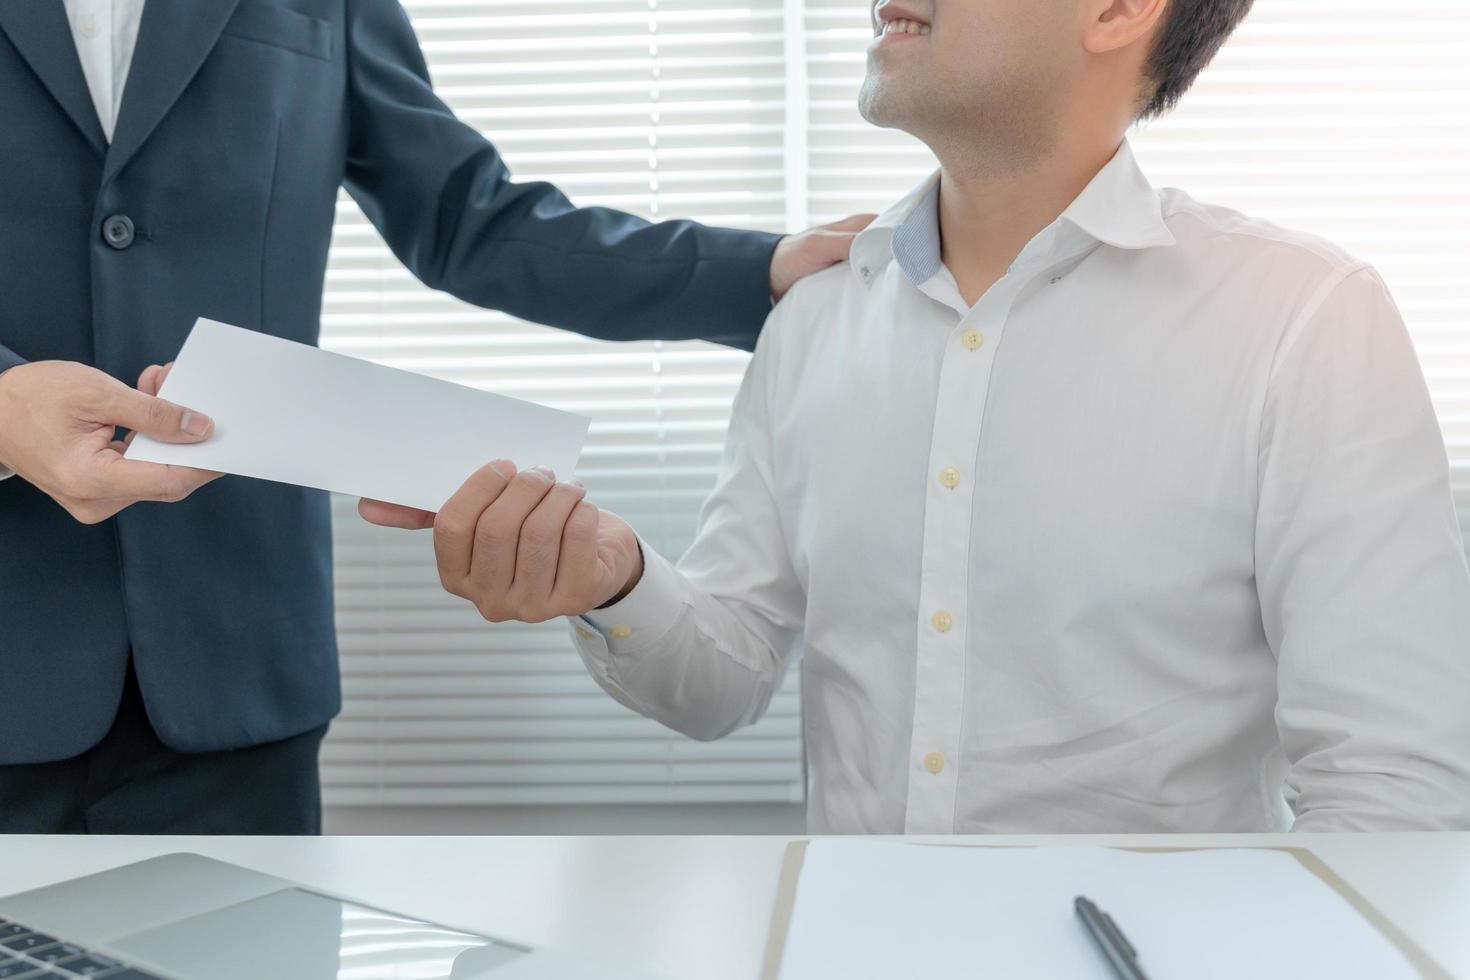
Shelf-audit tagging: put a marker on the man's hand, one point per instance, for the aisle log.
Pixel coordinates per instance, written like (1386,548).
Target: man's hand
(798,256)
(57,421)
(522,546)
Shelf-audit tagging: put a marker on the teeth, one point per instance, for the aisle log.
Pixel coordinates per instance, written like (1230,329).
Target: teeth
(905,27)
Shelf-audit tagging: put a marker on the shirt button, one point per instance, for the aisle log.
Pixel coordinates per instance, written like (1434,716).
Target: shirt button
(934,762)
(117,231)
(950,477)
(621,632)
(972,339)
(942,621)
(585,633)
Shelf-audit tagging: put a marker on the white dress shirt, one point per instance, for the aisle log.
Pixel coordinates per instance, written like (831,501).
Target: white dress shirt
(1156,536)
(105,33)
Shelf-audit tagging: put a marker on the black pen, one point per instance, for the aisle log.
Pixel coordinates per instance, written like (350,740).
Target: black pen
(1115,946)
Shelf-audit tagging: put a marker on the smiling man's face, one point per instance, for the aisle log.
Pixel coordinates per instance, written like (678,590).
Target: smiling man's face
(949,71)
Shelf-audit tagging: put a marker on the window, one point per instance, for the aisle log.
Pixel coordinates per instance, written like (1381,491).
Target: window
(1349,119)
(659,108)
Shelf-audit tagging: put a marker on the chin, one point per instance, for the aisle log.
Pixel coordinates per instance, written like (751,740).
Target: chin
(888,104)
(877,101)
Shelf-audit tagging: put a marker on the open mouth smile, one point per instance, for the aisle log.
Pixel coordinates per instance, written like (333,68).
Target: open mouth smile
(894,23)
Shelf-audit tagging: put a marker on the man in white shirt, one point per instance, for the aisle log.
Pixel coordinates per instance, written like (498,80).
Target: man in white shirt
(1094,508)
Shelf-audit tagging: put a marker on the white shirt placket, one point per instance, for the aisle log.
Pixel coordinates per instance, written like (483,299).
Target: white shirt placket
(944,608)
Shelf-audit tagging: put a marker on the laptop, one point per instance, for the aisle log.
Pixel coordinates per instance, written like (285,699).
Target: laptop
(187,917)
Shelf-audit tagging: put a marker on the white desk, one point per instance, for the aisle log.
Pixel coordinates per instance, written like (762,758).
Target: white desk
(689,908)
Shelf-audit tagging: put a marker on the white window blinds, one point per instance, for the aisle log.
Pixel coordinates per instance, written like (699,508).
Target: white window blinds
(1349,119)
(659,108)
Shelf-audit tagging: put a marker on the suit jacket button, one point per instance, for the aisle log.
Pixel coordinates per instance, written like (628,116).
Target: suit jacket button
(117,231)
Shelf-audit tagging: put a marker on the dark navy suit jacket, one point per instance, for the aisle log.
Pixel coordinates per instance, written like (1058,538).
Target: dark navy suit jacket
(240,119)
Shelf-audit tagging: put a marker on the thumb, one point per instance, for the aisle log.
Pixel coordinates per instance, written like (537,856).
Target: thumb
(831,247)
(157,418)
(853,223)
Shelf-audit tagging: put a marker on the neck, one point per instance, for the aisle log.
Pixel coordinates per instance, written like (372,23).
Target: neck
(986,216)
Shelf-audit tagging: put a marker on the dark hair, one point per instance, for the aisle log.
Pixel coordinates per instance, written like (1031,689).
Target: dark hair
(1192,32)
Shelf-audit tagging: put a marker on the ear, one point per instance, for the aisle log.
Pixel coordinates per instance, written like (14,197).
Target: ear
(1115,24)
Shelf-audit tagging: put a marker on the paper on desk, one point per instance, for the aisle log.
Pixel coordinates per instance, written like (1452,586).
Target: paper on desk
(874,909)
(292,413)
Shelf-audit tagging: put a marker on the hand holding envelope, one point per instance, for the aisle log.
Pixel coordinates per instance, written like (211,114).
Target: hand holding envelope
(296,414)
(517,543)
(58,432)
(521,546)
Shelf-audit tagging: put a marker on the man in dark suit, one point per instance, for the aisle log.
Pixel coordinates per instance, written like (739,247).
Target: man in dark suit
(173,668)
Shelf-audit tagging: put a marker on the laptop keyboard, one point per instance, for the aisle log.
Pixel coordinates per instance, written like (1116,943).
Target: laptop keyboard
(26,954)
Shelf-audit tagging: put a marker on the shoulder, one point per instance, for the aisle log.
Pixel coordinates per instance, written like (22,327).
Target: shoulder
(1275,279)
(1253,244)
(807,309)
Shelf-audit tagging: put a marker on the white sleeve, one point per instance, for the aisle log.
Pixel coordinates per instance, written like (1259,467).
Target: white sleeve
(1361,572)
(704,646)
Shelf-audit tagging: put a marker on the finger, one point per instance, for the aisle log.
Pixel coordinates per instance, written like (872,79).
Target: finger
(150,382)
(576,573)
(454,525)
(155,417)
(498,537)
(118,478)
(540,544)
(853,222)
(829,248)
(394,515)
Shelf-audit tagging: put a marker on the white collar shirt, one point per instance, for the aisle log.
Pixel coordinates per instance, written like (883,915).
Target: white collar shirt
(1155,536)
(105,33)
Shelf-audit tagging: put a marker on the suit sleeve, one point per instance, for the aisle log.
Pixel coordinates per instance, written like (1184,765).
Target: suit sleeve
(442,198)
(9,359)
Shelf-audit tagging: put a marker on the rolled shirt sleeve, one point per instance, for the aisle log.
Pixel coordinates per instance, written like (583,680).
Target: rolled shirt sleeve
(1361,573)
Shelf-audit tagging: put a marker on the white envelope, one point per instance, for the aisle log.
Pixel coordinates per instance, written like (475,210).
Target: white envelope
(295,414)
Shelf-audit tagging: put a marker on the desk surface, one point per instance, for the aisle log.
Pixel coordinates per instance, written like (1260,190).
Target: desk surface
(690,907)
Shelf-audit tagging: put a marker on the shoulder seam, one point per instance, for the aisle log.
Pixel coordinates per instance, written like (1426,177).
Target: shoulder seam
(1284,236)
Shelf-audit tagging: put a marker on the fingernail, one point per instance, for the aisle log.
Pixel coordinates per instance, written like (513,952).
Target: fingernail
(579,484)
(546,470)
(504,467)
(195,424)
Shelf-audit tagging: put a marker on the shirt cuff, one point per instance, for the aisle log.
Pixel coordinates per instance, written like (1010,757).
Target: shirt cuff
(643,616)
(6,474)
(640,619)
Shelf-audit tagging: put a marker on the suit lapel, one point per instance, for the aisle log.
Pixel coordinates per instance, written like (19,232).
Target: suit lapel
(39,30)
(173,40)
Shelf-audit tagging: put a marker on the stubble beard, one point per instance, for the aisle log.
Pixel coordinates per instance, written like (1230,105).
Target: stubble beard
(1000,126)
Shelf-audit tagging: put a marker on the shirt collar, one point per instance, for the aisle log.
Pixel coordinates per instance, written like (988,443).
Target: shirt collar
(1118,207)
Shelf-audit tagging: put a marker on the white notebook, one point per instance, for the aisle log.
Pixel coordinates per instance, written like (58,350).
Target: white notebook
(890,910)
